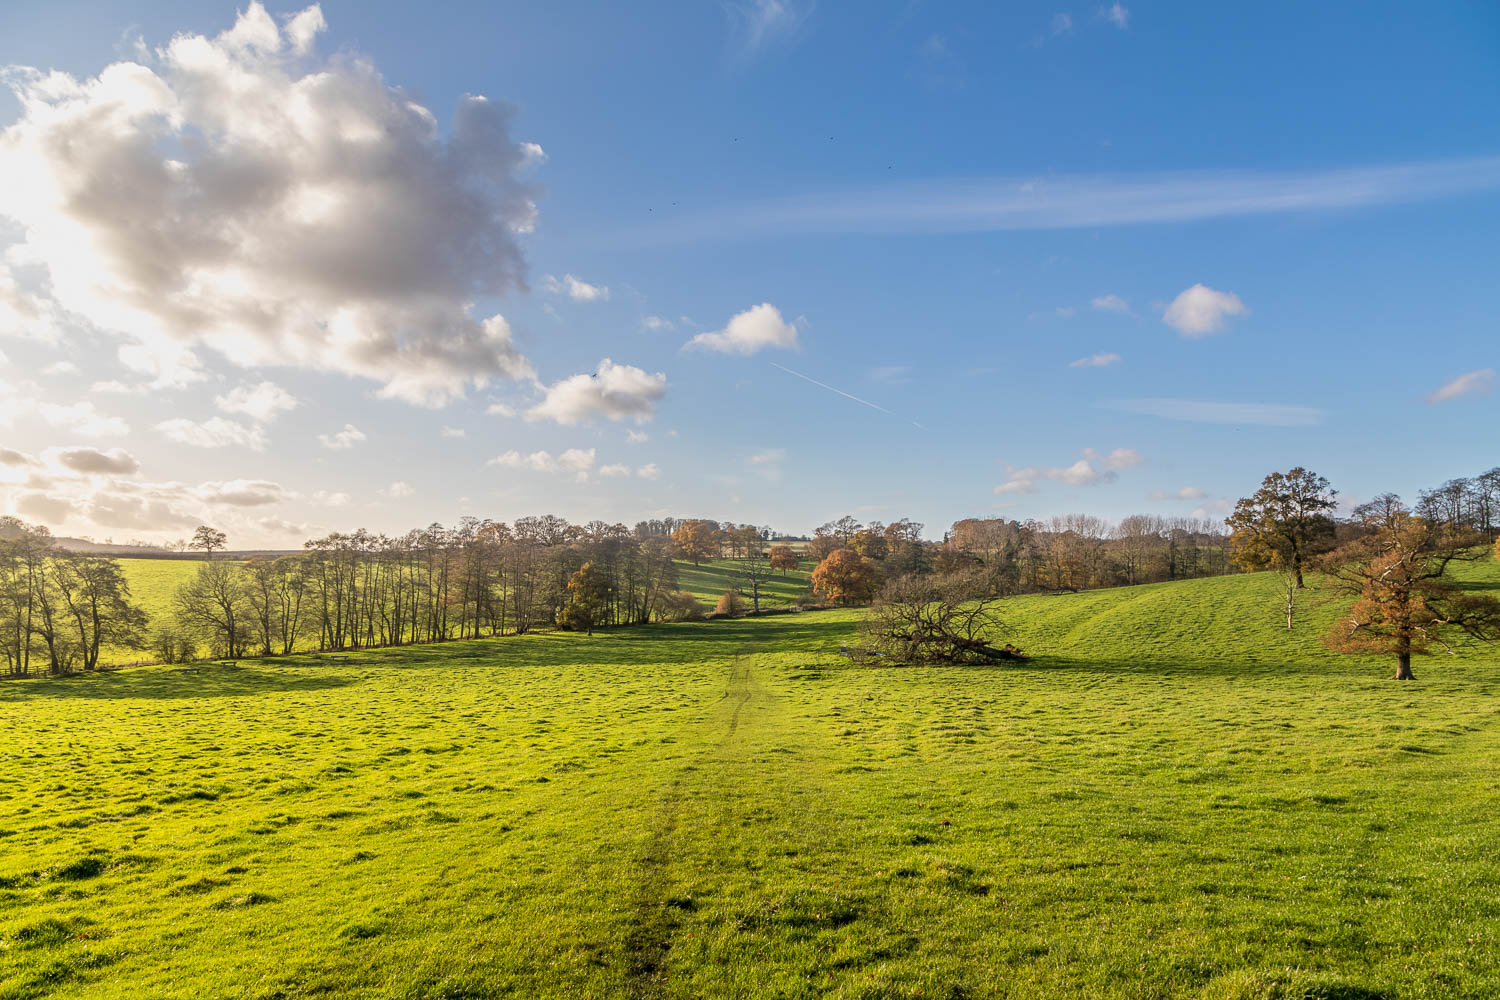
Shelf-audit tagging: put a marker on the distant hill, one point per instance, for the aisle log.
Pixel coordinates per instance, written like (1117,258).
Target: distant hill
(138,551)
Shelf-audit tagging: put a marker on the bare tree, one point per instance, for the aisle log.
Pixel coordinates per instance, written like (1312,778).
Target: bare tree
(927,620)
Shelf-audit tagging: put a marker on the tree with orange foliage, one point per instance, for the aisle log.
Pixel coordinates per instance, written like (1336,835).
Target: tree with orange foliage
(845,577)
(783,557)
(1405,602)
(696,540)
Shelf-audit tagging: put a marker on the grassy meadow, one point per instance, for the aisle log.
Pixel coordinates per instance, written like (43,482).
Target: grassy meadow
(1175,798)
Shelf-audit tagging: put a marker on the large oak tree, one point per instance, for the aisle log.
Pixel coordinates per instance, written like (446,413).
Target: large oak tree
(1285,523)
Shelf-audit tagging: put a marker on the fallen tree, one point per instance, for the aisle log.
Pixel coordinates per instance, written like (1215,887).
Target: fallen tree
(933,620)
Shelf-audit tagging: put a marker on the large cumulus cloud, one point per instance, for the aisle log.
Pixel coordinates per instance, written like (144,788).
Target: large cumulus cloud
(240,194)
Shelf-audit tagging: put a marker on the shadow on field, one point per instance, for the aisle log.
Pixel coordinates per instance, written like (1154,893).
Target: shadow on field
(211,680)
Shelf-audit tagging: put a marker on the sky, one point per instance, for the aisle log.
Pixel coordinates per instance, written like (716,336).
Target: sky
(290,270)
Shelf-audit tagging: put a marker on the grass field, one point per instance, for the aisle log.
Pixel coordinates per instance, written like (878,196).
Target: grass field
(709,582)
(1174,798)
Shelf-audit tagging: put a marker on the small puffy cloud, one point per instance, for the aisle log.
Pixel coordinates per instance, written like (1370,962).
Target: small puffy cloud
(578,461)
(9,456)
(1120,458)
(756,329)
(500,410)
(1200,311)
(238,194)
(115,387)
(1110,303)
(614,471)
(44,507)
(342,440)
(1091,470)
(454,432)
(655,323)
(262,402)
(1186,493)
(242,493)
(1101,360)
(396,490)
(1465,385)
(61,368)
(325,499)
(636,437)
(766,463)
(615,392)
(83,418)
(575,288)
(1065,312)
(649,471)
(215,432)
(93,462)
(1117,14)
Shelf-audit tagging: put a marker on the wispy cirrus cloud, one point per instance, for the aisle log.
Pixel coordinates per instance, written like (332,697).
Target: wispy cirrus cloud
(1206,411)
(993,204)
(1468,384)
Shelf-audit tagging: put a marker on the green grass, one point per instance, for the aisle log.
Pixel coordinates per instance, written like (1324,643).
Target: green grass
(709,582)
(1174,798)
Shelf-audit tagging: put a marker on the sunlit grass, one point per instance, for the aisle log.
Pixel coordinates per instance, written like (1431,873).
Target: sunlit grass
(1173,798)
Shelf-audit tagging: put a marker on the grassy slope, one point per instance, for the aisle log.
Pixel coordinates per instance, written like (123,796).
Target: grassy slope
(709,581)
(1175,799)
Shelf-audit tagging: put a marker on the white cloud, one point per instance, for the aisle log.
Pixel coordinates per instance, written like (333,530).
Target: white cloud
(1473,382)
(9,456)
(759,23)
(82,418)
(116,387)
(1110,303)
(768,456)
(1116,14)
(93,462)
(326,499)
(344,439)
(755,329)
(242,493)
(1096,361)
(1065,312)
(1091,470)
(575,288)
(636,437)
(239,194)
(397,490)
(500,410)
(1213,412)
(1200,310)
(215,432)
(649,471)
(262,402)
(575,460)
(1186,493)
(1062,23)
(454,432)
(655,323)
(614,471)
(61,368)
(615,392)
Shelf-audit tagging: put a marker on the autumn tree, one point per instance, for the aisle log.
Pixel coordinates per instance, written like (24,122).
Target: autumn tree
(1284,523)
(588,596)
(783,557)
(870,542)
(208,539)
(1405,601)
(846,577)
(696,540)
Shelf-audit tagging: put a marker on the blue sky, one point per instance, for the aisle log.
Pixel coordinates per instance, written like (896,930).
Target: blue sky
(1078,259)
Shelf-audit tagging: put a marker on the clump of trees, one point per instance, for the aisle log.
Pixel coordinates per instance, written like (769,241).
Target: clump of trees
(59,609)
(1406,604)
(927,619)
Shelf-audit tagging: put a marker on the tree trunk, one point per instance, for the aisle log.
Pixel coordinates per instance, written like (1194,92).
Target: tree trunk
(1403,668)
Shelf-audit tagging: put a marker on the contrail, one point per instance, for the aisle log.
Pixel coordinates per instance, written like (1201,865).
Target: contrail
(841,392)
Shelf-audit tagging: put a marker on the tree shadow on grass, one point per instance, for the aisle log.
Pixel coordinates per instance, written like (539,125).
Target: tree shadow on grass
(208,680)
